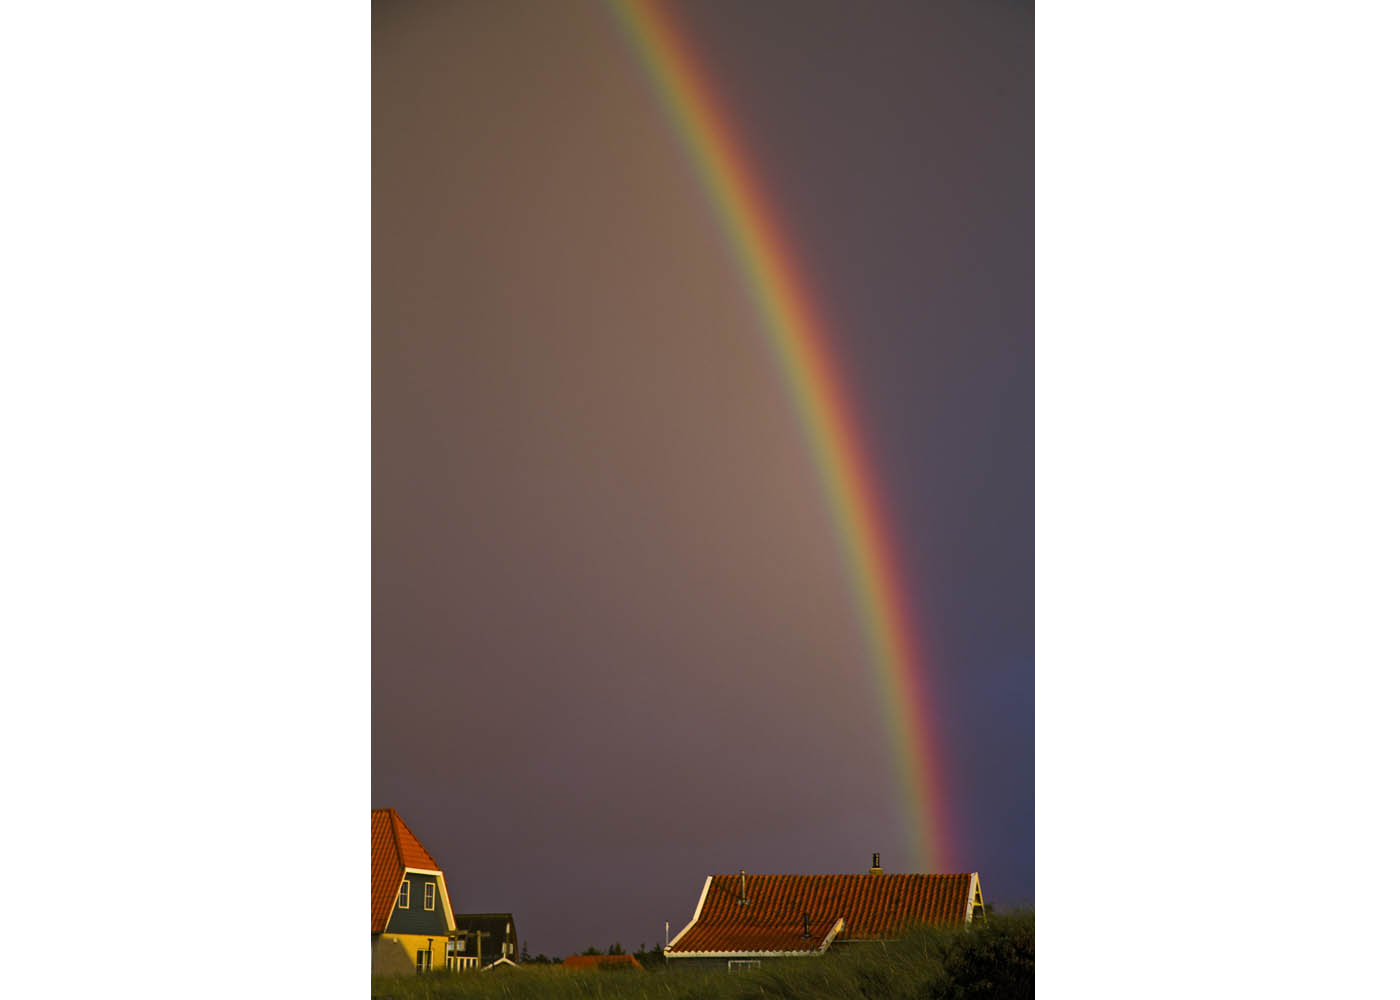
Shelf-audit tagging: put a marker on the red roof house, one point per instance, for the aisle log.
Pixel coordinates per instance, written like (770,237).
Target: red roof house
(410,915)
(770,916)
(392,850)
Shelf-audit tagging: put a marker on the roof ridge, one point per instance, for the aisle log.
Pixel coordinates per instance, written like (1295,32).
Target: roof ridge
(395,821)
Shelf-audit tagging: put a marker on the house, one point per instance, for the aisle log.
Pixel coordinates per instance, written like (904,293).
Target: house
(742,919)
(410,913)
(608,962)
(483,938)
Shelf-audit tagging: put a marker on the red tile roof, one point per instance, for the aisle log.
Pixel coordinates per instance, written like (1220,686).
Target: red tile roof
(598,961)
(392,848)
(872,906)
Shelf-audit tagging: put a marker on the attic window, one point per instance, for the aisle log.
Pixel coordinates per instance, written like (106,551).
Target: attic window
(429,896)
(403,895)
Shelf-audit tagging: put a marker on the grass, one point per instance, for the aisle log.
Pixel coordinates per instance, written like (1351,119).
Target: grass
(991,960)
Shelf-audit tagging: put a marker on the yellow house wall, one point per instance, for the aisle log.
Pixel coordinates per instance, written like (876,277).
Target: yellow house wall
(397,954)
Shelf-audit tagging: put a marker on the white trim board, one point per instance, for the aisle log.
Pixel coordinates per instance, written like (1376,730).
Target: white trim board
(704,893)
(836,929)
(974,890)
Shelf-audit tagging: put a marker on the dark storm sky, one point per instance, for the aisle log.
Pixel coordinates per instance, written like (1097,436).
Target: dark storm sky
(614,644)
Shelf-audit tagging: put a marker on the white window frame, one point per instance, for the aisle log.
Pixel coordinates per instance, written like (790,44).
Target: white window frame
(405,894)
(745,963)
(430,896)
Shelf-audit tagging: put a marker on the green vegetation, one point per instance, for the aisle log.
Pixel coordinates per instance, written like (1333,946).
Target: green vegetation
(995,961)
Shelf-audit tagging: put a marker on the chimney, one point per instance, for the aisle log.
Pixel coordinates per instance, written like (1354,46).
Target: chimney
(743,889)
(875,868)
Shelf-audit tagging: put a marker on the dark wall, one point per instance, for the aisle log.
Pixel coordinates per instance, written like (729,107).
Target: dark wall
(494,924)
(415,919)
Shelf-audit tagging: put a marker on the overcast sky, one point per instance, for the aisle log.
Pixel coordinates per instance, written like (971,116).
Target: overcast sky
(614,644)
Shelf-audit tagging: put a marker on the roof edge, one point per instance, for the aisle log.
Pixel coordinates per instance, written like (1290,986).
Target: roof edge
(745,954)
(704,894)
(394,833)
(882,875)
(974,889)
(836,929)
(821,949)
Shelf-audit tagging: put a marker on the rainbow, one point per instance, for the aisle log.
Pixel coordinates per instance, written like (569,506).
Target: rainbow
(794,333)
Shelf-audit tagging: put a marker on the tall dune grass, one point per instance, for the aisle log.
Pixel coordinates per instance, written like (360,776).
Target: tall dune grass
(995,960)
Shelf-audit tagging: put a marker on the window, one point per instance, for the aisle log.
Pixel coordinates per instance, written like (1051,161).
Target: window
(743,963)
(403,895)
(429,896)
(425,961)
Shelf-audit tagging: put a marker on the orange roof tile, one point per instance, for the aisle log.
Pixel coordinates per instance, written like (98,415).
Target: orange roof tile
(872,906)
(392,848)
